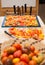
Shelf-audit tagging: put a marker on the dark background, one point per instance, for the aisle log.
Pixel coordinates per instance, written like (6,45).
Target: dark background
(41,1)
(41,12)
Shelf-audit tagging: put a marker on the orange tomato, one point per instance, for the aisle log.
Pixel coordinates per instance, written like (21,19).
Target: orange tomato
(31,55)
(17,46)
(4,54)
(36,52)
(10,57)
(4,59)
(32,48)
(32,62)
(25,58)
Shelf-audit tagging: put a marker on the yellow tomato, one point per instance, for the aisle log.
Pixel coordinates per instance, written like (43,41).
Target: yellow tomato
(16,60)
(41,36)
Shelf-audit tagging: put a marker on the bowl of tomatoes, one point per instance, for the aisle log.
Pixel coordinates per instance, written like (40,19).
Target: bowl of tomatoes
(19,54)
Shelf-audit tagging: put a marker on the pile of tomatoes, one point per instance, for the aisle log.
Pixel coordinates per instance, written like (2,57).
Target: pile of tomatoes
(16,54)
(25,20)
(27,33)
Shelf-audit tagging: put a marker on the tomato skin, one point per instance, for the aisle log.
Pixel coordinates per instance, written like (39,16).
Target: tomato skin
(4,54)
(22,24)
(12,32)
(36,52)
(17,54)
(25,58)
(11,50)
(11,28)
(4,59)
(32,33)
(32,48)
(16,60)
(10,57)
(32,62)
(21,63)
(17,46)
(31,55)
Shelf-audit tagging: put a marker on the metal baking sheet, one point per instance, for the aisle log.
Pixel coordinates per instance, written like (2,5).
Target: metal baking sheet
(3,23)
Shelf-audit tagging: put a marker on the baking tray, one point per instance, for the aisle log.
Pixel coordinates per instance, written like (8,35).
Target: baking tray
(3,23)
